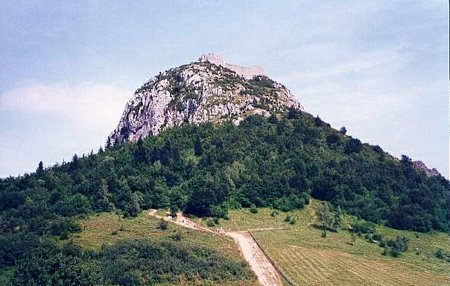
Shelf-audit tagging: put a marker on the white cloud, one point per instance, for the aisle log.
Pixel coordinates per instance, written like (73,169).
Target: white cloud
(89,106)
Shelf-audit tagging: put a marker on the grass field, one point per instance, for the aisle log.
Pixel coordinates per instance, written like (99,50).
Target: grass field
(309,259)
(108,228)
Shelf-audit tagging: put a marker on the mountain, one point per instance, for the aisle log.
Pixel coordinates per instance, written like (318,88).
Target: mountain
(267,152)
(208,90)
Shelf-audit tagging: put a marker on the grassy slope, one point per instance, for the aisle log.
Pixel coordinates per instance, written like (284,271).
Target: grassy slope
(309,259)
(108,228)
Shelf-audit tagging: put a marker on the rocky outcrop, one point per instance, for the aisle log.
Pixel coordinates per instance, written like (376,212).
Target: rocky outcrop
(205,91)
(420,166)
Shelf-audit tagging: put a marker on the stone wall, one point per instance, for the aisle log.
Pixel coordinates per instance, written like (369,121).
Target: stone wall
(246,72)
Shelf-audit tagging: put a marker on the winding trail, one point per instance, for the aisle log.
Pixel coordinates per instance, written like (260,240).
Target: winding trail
(253,254)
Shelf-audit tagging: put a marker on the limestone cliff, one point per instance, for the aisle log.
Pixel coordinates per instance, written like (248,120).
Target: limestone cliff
(208,90)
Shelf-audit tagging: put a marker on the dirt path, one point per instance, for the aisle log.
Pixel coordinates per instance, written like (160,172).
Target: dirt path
(259,263)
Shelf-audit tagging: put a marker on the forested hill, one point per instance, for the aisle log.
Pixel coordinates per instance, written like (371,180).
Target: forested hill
(205,170)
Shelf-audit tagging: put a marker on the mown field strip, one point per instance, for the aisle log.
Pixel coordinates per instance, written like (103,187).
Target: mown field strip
(314,266)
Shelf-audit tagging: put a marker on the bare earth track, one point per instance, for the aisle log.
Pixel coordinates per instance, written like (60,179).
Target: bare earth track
(255,257)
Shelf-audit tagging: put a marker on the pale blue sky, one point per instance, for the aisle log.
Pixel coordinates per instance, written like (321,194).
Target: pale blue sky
(67,68)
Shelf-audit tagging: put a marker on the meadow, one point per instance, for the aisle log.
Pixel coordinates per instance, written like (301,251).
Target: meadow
(307,258)
(109,229)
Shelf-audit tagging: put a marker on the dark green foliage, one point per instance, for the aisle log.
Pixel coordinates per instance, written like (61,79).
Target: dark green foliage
(63,227)
(441,254)
(277,163)
(397,246)
(293,113)
(198,149)
(163,224)
(253,209)
(363,227)
(262,81)
(50,264)
(153,262)
(352,146)
(142,262)
(40,167)
(333,139)
(232,169)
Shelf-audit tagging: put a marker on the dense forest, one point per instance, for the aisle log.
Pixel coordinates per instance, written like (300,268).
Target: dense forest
(206,170)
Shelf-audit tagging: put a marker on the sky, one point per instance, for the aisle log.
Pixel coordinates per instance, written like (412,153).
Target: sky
(67,68)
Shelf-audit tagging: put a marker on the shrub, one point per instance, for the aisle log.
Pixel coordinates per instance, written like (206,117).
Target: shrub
(363,227)
(177,236)
(287,218)
(210,222)
(163,225)
(253,209)
(439,254)
(396,246)
(353,146)
(333,139)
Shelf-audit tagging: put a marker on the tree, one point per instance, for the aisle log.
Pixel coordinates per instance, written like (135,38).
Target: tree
(75,163)
(293,113)
(140,154)
(405,159)
(352,146)
(337,217)
(40,167)
(325,215)
(333,139)
(318,121)
(108,144)
(198,148)
(162,224)
(343,130)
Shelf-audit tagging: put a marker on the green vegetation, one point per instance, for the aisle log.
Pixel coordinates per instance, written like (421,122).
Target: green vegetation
(127,262)
(209,170)
(344,257)
(112,250)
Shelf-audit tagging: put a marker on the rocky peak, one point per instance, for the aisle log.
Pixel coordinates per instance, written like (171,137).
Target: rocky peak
(209,90)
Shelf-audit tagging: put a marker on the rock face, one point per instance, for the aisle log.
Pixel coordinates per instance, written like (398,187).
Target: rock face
(208,90)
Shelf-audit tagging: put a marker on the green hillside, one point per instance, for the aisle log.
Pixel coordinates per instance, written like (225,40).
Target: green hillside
(306,257)
(207,171)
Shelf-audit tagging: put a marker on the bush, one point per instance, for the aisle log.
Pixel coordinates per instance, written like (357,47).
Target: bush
(210,222)
(253,209)
(363,227)
(177,236)
(352,146)
(396,246)
(333,138)
(162,224)
(439,254)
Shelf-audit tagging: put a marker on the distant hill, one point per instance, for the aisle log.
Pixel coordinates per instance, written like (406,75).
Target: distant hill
(204,139)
